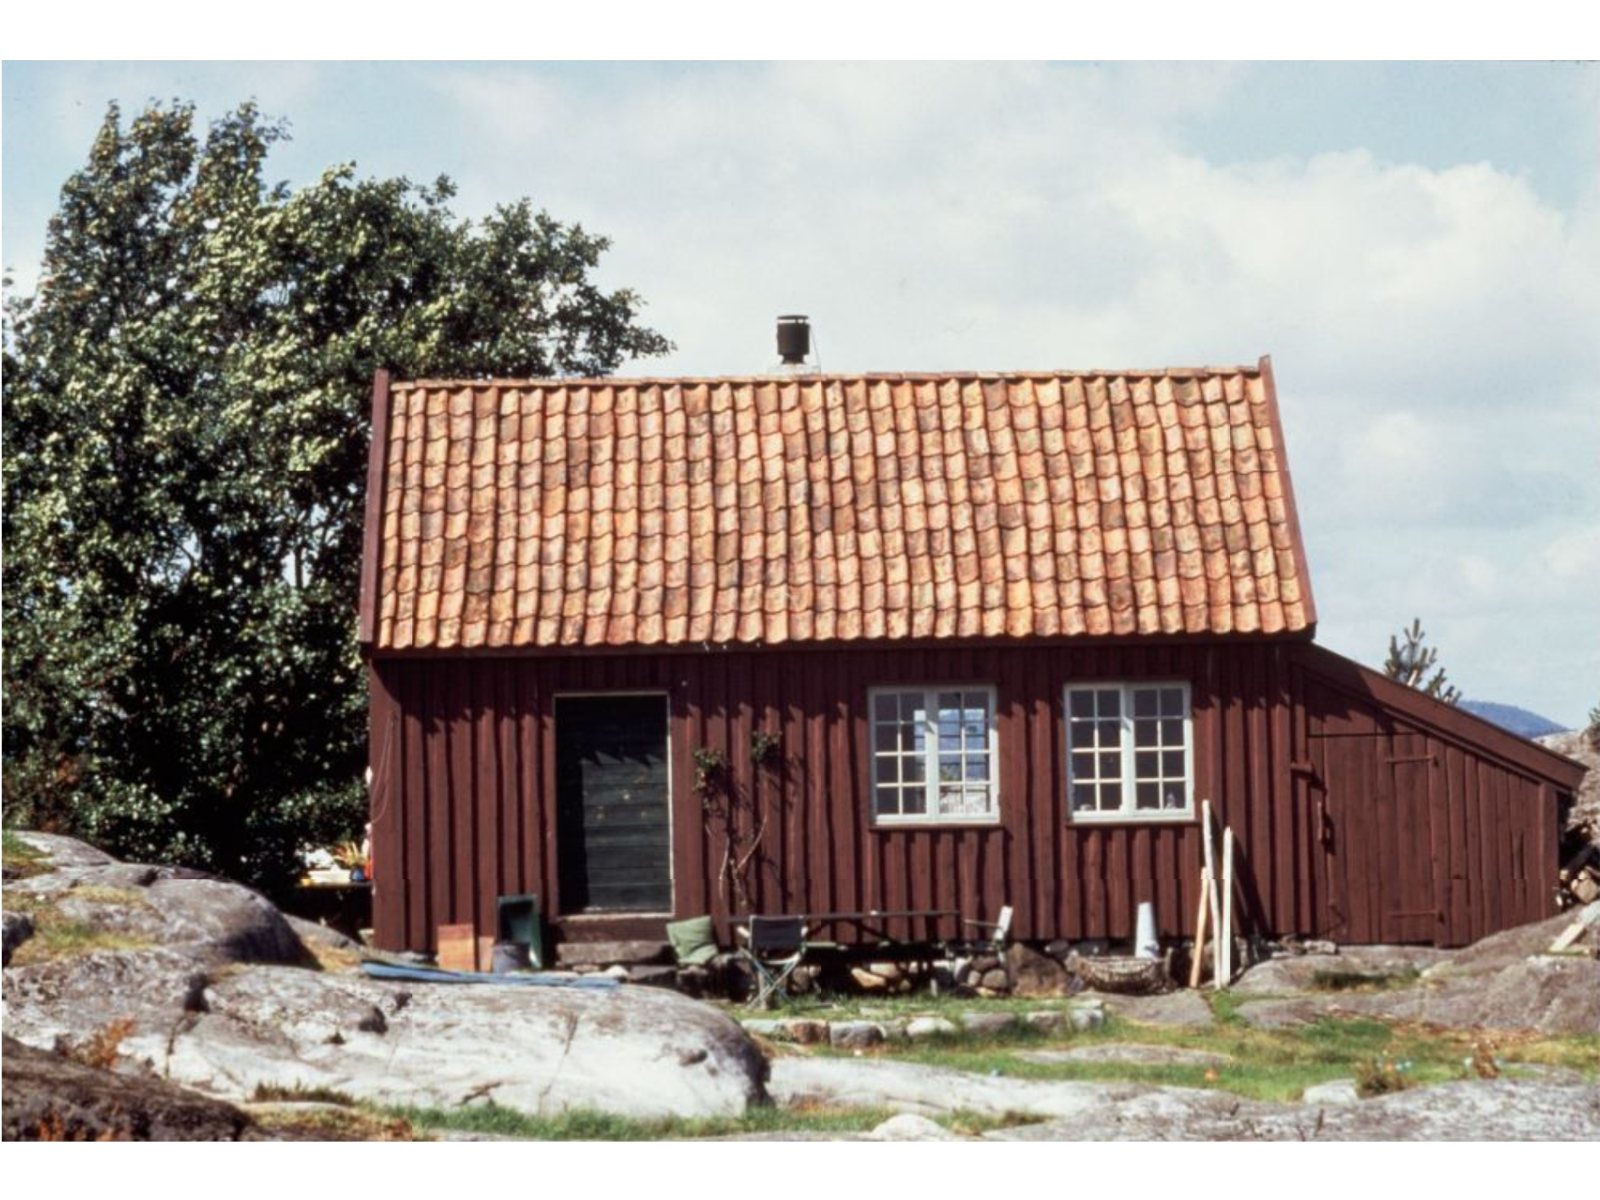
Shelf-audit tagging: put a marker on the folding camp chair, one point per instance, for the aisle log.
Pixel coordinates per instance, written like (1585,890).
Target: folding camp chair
(774,946)
(999,930)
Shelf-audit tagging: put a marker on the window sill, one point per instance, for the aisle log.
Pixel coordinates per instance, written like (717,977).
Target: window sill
(889,824)
(1156,818)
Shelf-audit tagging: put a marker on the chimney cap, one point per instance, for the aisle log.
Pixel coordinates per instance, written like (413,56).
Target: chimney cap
(794,339)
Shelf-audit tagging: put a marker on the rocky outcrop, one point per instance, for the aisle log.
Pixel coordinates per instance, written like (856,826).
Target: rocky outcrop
(49,1097)
(195,974)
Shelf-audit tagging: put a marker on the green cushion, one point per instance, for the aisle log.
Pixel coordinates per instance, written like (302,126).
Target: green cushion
(694,941)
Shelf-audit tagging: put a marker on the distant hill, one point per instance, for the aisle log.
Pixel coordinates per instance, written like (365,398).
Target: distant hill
(1508,716)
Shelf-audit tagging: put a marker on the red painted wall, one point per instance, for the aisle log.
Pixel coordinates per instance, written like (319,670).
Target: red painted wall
(1353,820)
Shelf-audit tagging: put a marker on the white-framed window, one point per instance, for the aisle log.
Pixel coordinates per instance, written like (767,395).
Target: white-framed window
(1130,752)
(933,755)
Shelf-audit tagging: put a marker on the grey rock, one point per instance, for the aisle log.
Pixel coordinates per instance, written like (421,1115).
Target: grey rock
(804,1032)
(921,1028)
(1283,1013)
(1468,1111)
(1047,1021)
(1134,1053)
(1034,974)
(1335,1091)
(1086,1017)
(66,851)
(996,980)
(1180,1009)
(84,1103)
(988,1024)
(855,1035)
(1288,974)
(909,1127)
(638,1052)
(323,937)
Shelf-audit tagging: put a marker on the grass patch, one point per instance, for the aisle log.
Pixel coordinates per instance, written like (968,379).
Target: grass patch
(588,1125)
(56,935)
(1363,981)
(21,857)
(1264,1064)
(92,893)
(300,1093)
(341,1125)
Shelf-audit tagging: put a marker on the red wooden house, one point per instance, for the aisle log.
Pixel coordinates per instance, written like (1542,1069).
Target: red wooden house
(1000,635)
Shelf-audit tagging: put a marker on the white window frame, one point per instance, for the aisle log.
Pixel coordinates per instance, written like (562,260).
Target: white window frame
(1128,813)
(930,696)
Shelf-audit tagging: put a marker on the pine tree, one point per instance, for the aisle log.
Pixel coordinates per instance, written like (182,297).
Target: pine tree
(1410,661)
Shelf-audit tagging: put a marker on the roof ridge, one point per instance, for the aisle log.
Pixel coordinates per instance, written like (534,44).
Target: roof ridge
(826,376)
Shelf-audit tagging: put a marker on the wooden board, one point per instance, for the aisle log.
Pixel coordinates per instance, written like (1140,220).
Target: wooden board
(457,948)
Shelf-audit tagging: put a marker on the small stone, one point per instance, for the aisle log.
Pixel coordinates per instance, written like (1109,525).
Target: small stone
(617,971)
(984,962)
(987,1024)
(1034,974)
(803,1032)
(867,981)
(1048,1021)
(1335,1091)
(1084,1017)
(895,1030)
(855,1035)
(921,1028)
(893,972)
(768,1029)
(1059,949)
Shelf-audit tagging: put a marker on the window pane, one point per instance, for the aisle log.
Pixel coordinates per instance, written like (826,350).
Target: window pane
(1176,796)
(949,768)
(1144,702)
(913,769)
(1172,733)
(1144,733)
(978,767)
(1144,764)
(1110,796)
(1172,764)
(950,702)
(1147,795)
(886,737)
(1082,765)
(1109,703)
(949,739)
(1110,766)
(1082,797)
(886,769)
(1081,703)
(885,706)
(887,800)
(1110,733)
(913,800)
(1172,702)
(915,736)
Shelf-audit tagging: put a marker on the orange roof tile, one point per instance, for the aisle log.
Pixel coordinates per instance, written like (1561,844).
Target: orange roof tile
(818,508)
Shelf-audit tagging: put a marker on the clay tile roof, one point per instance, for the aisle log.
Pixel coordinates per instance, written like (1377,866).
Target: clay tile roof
(617,512)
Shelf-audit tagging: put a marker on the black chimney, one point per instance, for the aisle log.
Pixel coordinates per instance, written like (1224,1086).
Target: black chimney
(794,340)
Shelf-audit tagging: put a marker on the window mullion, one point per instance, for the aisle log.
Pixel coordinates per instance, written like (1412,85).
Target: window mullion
(1130,777)
(930,750)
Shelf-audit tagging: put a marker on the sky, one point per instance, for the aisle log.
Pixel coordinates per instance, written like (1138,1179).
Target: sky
(1417,246)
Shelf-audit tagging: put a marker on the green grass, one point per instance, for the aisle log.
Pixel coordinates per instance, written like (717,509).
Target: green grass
(300,1093)
(587,1125)
(17,855)
(56,935)
(1265,1064)
(1363,981)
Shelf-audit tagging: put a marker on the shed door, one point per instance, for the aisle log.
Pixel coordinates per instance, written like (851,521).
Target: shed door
(614,842)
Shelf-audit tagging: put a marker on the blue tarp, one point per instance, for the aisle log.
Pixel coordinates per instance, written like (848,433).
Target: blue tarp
(384,970)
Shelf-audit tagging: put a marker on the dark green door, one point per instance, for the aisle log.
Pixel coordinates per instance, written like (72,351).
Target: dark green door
(614,825)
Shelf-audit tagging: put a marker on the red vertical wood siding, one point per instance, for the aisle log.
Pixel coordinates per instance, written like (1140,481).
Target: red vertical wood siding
(1351,821)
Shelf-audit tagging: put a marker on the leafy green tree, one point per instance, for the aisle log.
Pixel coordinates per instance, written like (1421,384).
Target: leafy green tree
(1410,662)
(186,426)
